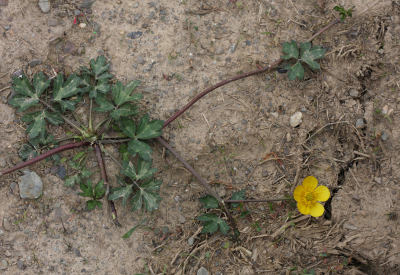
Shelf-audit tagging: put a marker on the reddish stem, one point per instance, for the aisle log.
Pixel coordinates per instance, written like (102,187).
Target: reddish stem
(45,155)
(222,83)
(229,80)
(203,182)
(103,174)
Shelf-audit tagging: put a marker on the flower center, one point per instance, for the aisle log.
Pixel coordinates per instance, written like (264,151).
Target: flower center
(310,197)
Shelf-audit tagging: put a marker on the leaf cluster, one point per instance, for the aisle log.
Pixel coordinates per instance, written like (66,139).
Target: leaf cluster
(95,192)
(306,54)
(140,183)
(213,222)
(343,12)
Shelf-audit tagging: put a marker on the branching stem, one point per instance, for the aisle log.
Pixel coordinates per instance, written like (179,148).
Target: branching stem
(200,179)
(45,155)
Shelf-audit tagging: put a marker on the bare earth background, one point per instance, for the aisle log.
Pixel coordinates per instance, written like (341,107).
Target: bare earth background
(179,48)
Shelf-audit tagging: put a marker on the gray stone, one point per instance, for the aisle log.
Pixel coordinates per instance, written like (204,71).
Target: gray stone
(137,16)
(191,93)
(77,252)
(135,65)
(3,265)
(378,180)
(353,93)
(191,241)
(295,119)
(61,173)
(44,5)
(157,231)
(77,12)
(220,51)
(163,12)
(202,271)
(248,42)
(140,60)
(1,233)
(30,185)
(34,62)
(7,28)
(134,35)
(381,51)
(360,123)
(52,22)
(2,162)
(152,15)
(20,265)
(181,219)
(264,173)
(384,136)
(165,230)
(232,48)
(6,224)
(244,121)
(136,5)
(86,4)
(57,205)
(60,214)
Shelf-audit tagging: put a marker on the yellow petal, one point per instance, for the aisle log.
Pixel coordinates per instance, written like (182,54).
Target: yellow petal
(298,193)
(310,183)
(303,208)
(322,193)
(317,210)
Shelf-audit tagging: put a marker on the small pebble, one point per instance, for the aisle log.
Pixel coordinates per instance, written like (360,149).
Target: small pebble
(296,119)
(384,136)
(232,48)
(82,25)
(191,241)
(165,230)
(360,123)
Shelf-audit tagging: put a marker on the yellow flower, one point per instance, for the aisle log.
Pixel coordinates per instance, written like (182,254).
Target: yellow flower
(307,196)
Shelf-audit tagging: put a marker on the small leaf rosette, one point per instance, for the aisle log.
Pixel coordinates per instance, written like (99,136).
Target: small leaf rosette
(307,196)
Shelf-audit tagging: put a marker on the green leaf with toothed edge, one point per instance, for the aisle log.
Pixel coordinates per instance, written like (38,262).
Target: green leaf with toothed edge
(121,192)
(63,90)
(138,147)
(295,71)
(91,205)
(122,94)
(209,202)
(291,50)
(212,222)
(28,96)
(238,196)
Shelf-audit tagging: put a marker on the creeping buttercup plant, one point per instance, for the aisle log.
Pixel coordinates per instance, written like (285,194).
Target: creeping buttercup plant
(55,100)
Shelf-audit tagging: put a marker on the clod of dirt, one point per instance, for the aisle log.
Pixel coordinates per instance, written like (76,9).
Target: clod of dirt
(30,185)
(6,224)
(69,48)
(295,119)
(360,123)
(44,5)
(34,62)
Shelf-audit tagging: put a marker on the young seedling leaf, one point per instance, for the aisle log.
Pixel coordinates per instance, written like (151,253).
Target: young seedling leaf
(143,149)
(144,169)
(147,130)
(67,89)
(91,205)
(296,71)
(99,65)
(87,189)
(38,125)
(27,152)
(121,192)
(129,233)
(209,202)
(71,180)
(310,54)
(212,222)
(122,94)
(238,196)
(124,111)
(105,105)
(291,50)
(99,190)
(28,96)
